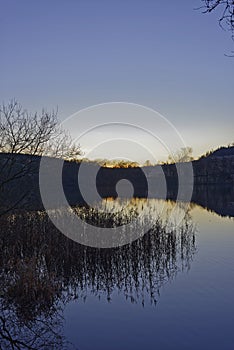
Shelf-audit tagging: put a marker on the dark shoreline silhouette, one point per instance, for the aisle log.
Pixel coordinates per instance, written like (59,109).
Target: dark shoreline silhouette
(213,186)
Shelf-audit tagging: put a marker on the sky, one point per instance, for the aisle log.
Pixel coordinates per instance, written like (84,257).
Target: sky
(164,55)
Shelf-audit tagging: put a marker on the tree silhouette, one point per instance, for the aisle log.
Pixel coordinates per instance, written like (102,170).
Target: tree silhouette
(24,137)
(182,155)
(226,19)
(34,134)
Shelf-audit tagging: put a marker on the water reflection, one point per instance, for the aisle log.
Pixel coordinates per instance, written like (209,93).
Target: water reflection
(41,270)
(218,199)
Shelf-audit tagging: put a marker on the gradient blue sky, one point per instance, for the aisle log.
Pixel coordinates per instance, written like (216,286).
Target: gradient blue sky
(161,54)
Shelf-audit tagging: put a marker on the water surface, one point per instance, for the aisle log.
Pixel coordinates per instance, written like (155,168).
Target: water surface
(171,289)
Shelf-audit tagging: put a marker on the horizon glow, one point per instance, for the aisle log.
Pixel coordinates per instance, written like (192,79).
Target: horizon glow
(166,56)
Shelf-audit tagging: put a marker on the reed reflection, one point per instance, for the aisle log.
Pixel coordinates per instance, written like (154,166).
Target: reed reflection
(41,270)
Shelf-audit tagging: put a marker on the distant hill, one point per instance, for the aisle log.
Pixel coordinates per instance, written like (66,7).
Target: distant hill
(22,192)
(222,152)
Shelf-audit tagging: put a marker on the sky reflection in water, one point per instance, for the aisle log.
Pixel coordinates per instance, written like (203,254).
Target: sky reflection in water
(121,298)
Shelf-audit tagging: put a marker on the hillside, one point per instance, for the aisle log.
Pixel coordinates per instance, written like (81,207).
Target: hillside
(222,152)
(210,173)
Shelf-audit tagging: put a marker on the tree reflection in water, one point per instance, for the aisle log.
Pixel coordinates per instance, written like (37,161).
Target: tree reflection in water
(41,270)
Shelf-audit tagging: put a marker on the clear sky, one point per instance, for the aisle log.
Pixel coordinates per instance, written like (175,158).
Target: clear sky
(161,54)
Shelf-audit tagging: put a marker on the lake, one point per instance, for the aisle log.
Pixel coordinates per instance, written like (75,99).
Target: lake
(172,288)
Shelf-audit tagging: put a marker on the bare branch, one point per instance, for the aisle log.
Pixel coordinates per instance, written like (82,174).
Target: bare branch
(28,134)
(226,20)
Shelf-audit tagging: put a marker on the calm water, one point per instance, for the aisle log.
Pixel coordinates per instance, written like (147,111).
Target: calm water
(166,293)
(194,311)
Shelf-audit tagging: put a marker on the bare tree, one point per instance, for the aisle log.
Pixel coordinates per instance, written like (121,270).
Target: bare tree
(24,137)
(226,19)
(22,132)
(182,155)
